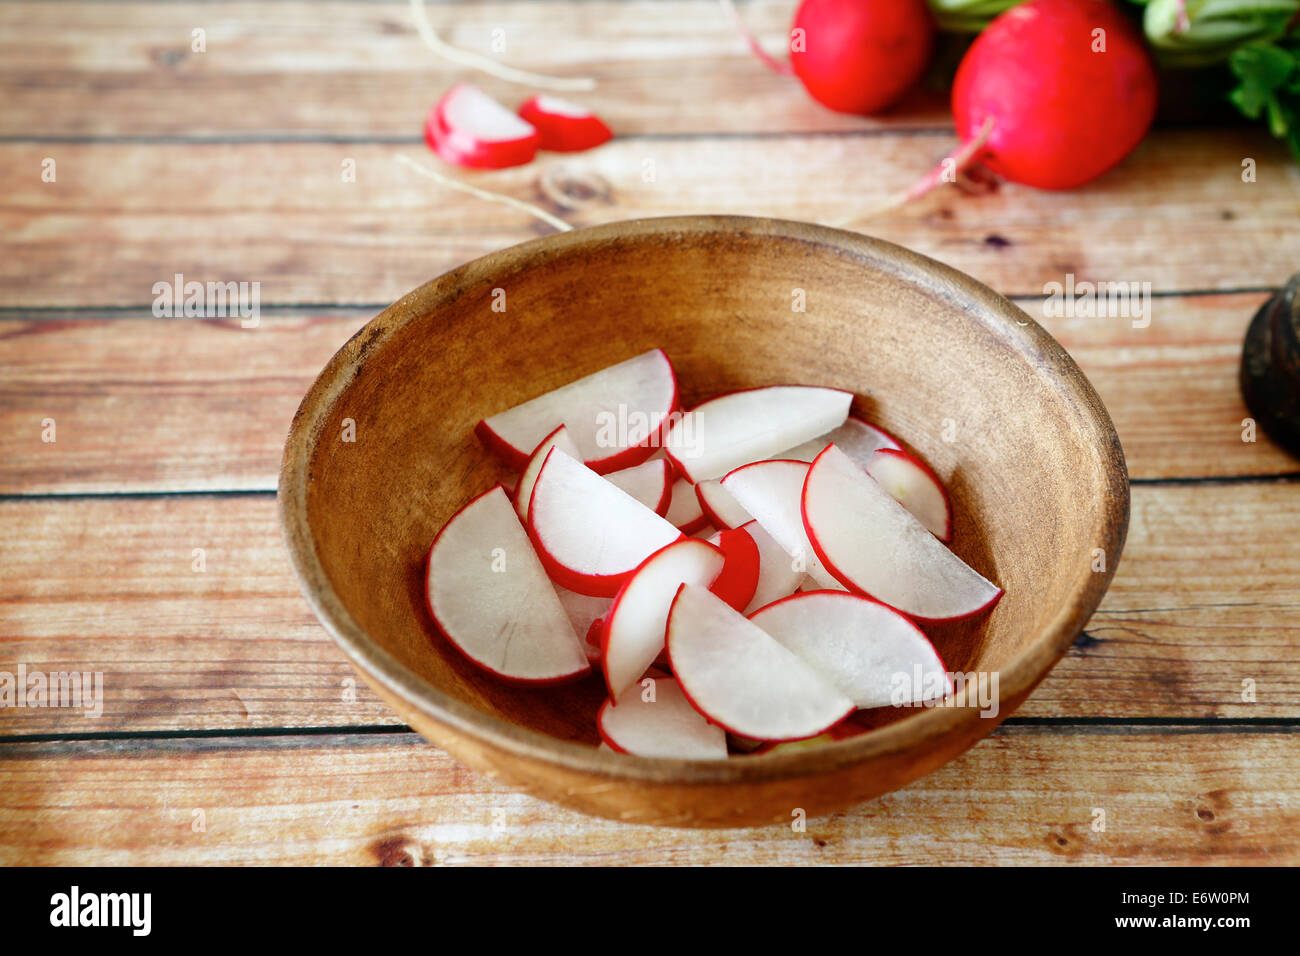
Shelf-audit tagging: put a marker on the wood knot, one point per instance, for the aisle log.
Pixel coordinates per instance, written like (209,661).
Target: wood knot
(1064,841)
(168,56)
(398,851)
(571,188)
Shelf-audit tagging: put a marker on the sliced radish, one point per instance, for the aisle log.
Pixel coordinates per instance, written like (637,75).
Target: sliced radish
(739,577)
(875,546)
(666,725)
(614,416)
(589,534)
(564,127)
(469,128)
(740,427)
(528,477)
(718,505)
(778,576)
(913,485)
(634,627)
(584,610)
(650,483)
(874,655)
(742,679)
(770,491)
(856,438)
(489,595)
(684,511)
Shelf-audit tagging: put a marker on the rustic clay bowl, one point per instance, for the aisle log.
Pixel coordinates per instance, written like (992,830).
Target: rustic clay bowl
(999,409)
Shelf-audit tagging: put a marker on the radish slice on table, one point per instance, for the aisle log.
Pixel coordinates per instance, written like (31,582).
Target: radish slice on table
(856,438)
(739,578)
(564,127)
(650,483)
(489,595)
(613,416)
(778,575)
(771,491)
(875,656)
(913,485)
(739,677)
(718,505)
(684,510)
(633,636)
(589,534)
(875,546)
(524,489)
(740,427)
(469,128)
(665,725)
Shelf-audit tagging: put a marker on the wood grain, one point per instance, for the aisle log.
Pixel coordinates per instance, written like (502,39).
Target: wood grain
(358,70)
(185,405)
(155,404)
(1024,796)
(122,217)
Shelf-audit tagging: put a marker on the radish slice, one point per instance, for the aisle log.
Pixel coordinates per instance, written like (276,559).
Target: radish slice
(614,416)
(778,576)
(469,128)
(770,491)
(730,430)
(739,577)
(524,490)
(666,725)
(634,627)
(718,505)
(916,487)
(564,127)
(590,535)
(650,483)
(875,546)
(856,438)
(489,595)
(874,655)
(684,510)
(742,679)
(584,610)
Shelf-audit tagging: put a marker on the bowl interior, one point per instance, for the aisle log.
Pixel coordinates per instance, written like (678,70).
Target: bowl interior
(994,406)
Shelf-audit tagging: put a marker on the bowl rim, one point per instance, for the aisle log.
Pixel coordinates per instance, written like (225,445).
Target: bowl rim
(998,314)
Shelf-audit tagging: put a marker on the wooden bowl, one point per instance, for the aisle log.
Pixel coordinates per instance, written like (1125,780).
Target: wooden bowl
(1030,457)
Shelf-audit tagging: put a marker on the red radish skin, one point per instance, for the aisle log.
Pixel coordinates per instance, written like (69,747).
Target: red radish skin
(468,128)
(739,577)
(861,56)
(564,127)
(1061,114)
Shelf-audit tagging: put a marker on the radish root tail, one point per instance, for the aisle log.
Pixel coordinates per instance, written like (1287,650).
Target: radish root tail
(768,60)
(949,169)
(490,66)
(486,194)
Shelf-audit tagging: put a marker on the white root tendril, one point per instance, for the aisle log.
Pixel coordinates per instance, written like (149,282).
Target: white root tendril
(486,194)
(490,66)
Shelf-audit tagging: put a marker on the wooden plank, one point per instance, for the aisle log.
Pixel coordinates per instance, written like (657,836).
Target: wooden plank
(361,71)
(122,217)
(1206,597)
(156,404)
(1025,796)
(185,405)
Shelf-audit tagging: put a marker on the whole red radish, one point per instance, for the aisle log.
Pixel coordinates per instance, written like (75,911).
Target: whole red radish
(1068,86)
(860,56)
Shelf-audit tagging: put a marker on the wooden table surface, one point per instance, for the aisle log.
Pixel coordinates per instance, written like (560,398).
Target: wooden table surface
(231,731)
